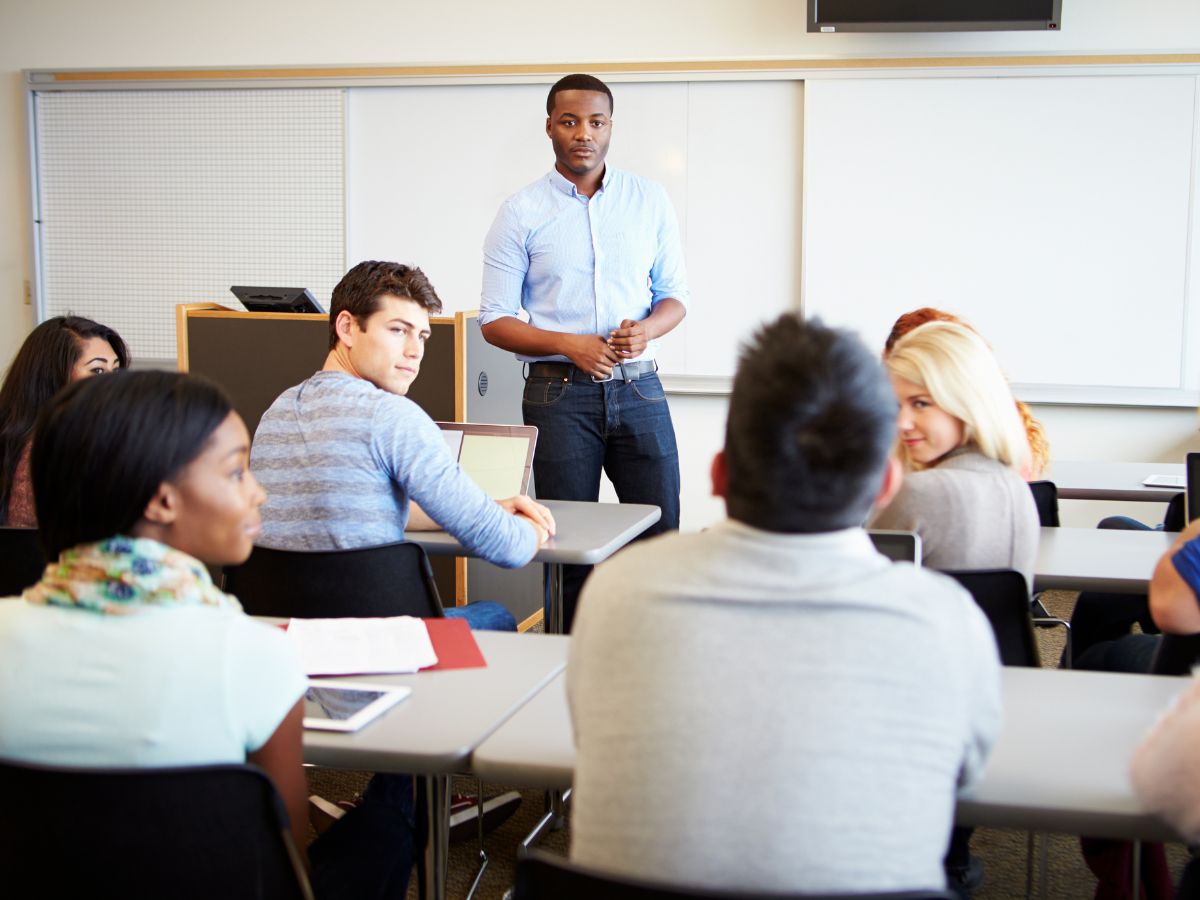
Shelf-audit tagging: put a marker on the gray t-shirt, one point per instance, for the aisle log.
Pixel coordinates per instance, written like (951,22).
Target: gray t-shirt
(754,710)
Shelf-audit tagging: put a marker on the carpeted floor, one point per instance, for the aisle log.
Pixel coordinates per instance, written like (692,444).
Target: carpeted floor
(1002,851)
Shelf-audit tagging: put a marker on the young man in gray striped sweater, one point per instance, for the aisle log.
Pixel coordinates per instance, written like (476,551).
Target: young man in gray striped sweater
(348,461)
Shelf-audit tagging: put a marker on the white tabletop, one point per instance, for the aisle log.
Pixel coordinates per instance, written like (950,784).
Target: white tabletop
(1093,480)
(1095,559)
(449,712)
(535,748)
(588,533)
(1061,763)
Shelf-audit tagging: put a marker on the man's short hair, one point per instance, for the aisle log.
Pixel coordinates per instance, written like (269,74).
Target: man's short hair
(811,422)
(578,83)
(360,289)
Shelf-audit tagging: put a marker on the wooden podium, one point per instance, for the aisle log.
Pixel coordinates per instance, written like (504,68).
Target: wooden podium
(257,356)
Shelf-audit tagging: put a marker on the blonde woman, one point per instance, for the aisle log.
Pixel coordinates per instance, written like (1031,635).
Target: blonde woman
(963,443)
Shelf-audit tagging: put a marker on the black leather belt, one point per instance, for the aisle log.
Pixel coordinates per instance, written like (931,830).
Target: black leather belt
(628,371)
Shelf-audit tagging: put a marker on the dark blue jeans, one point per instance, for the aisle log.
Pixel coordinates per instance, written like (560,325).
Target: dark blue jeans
(621,428)
(368,853)
(484,615)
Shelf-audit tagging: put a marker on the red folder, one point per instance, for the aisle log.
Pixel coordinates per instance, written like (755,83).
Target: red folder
(454,645)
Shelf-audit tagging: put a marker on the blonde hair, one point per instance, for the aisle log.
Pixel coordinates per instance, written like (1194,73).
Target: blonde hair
(957,369)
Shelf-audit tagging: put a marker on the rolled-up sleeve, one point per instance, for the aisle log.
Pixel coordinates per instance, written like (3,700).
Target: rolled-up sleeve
(505,263)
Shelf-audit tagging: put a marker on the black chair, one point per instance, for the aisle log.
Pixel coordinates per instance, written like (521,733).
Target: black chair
(1176,516)
(1176,654)
(203,832)
(544,877)
(1004,598)
(389,580)
(1045,498)
(21,560)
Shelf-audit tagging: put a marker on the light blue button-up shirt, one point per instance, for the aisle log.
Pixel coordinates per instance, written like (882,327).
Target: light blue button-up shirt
(581,265)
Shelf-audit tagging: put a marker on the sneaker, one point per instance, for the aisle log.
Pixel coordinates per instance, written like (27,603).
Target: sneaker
(322,814)
(464,815)
(963,881)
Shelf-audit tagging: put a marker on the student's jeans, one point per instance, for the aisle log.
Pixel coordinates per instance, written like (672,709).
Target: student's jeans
(368,852)
(621,427)
(484,615)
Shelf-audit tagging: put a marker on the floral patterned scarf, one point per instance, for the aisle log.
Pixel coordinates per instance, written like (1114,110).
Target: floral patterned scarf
(125,575)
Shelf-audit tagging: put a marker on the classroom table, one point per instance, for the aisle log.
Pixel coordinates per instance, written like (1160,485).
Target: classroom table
(1097,559)
(1061,763)
(588,533)
(1095,480)
(433,732)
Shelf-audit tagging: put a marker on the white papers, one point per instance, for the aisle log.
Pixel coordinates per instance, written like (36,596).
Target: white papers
(362,646)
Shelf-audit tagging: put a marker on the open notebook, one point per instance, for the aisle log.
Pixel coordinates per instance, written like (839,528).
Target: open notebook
(499,458)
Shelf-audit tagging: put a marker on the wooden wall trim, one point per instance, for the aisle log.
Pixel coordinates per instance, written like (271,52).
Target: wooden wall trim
(538,72)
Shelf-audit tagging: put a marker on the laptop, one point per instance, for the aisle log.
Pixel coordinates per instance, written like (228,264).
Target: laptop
(498,458)
(898,546)
(277,300)
(1192,490)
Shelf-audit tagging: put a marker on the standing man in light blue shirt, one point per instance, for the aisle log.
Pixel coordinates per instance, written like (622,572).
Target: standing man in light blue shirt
(582,271)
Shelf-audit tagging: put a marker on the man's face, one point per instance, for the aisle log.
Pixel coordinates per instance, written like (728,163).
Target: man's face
(388,351)
(580,128)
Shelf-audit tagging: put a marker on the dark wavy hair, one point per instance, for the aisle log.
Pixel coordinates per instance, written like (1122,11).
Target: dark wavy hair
(105,445)
(360,289)
(41,368)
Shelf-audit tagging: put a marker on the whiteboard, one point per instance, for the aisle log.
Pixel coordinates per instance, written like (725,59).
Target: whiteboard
(428,167)
(1056,214)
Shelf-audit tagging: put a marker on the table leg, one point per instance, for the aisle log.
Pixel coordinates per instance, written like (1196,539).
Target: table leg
(437,844)
(554,598)
(555,818)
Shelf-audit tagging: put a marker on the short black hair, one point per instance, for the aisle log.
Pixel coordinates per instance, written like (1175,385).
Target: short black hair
(811,422)
(104,445)
(578,82)
(360,289)
(42,368)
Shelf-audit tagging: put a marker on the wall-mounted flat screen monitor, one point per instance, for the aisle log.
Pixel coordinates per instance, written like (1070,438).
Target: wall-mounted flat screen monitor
(278,300)
(829,16)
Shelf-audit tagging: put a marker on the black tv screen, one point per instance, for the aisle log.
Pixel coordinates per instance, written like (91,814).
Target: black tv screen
(933,15)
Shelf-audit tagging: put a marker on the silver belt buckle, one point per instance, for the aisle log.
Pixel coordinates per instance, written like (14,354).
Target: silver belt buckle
(604,380)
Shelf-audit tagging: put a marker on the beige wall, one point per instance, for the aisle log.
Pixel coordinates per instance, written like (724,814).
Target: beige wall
(136,33)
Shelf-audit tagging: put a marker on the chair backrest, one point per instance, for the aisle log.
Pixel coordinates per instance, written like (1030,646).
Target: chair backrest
(1004,598)
(1176,516)
(204,832)
(21,560)
(1045,498)
(389,580)
(1191,472)
(1176,654)
(544,877)
(898,546)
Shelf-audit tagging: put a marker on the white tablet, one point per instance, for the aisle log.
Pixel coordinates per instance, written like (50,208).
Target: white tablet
(348,706)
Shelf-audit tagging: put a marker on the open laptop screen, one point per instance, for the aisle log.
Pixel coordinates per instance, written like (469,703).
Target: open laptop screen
(499,458)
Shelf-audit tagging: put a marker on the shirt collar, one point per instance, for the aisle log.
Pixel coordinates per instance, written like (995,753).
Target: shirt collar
(568,187)
(848,541)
